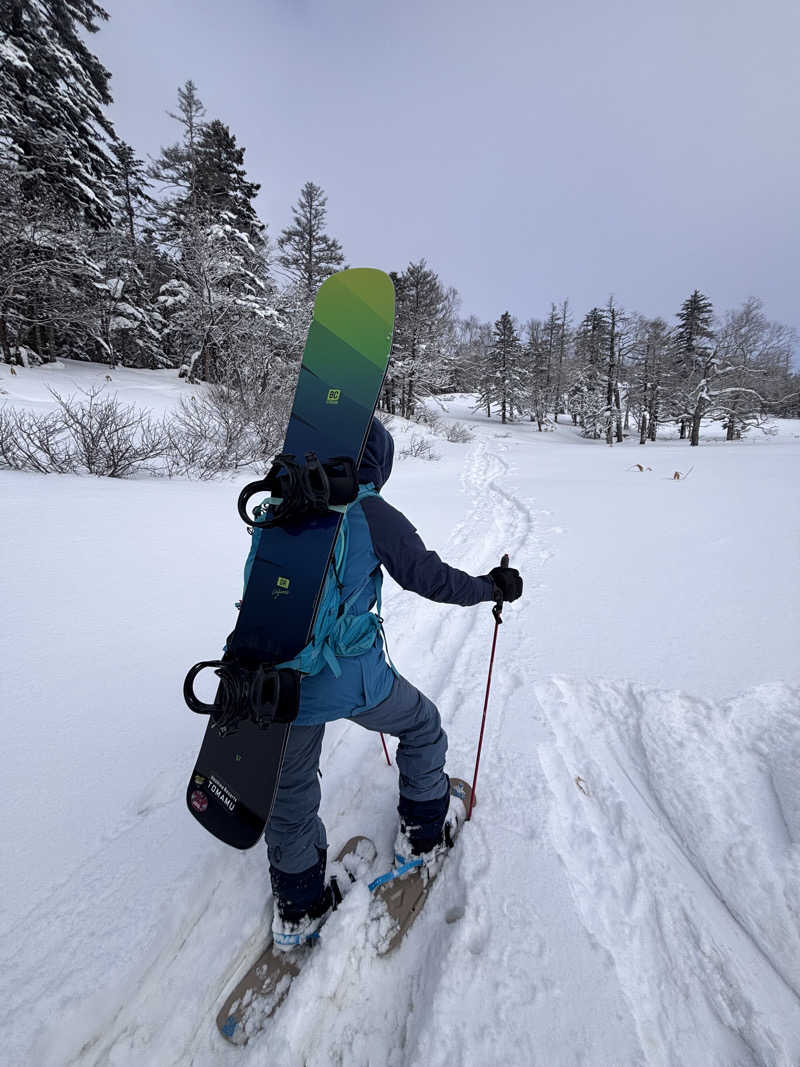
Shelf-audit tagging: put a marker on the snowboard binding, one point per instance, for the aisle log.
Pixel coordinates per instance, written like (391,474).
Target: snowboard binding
(297,490)
(260,695)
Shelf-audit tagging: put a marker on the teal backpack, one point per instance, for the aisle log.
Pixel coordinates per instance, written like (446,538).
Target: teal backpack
(338,631)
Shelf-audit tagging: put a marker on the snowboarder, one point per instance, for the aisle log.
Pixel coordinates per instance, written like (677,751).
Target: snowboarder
(371,693)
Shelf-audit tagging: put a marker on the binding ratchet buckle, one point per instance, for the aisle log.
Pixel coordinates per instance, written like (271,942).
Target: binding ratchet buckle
(298,489)
(261,695)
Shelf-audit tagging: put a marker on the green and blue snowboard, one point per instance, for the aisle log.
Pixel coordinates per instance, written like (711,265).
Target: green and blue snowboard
(233,785)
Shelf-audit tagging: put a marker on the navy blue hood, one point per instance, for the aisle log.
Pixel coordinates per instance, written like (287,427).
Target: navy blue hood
(376,463)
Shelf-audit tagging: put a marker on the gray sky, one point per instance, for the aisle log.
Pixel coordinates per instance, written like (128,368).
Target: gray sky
(530,151)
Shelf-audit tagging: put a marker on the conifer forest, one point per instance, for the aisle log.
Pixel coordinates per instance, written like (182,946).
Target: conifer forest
(165,263)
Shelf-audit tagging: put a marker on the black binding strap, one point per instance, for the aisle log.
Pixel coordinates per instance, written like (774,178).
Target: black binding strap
(310,488)
(262,695)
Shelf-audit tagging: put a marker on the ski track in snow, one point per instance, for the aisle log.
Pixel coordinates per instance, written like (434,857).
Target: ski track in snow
(673,905)
(626,893)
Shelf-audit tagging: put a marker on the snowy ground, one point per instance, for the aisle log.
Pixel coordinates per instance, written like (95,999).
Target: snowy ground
(628,891)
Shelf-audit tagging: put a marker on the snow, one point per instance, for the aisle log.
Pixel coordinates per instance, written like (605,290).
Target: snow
(156,390)
(628,889)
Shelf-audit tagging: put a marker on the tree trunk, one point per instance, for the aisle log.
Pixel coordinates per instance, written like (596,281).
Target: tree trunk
(730,434)
(619,414)
(4,345)
(653,413)
(40,342)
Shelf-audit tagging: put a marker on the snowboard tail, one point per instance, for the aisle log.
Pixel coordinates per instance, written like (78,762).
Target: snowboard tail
(226,793)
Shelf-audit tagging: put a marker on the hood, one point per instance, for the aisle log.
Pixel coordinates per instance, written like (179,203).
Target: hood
(376,463)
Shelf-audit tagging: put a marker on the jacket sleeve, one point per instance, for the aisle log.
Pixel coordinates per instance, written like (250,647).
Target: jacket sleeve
(400,549)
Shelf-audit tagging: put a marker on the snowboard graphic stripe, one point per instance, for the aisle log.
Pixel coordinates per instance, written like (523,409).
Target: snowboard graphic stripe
(372,331)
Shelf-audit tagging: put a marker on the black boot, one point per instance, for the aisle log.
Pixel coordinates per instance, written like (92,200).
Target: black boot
(422,821)
(297,894)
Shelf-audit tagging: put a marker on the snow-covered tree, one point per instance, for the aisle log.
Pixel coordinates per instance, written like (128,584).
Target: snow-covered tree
(696,361)
(132,202)
(588,393)
(126,326)
(560,356)
(215,241)
(504,380)
(211,299)
(47,276)
(308,253)
(752,356)
(175,169)
(651,350)
(424,339)
(540,347)
(53,91)
(612,416)
(473,339)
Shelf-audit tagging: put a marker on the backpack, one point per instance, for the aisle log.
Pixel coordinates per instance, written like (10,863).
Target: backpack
(337,631)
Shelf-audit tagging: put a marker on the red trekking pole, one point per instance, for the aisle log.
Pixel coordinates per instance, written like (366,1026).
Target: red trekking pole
(385,750)
(497,611)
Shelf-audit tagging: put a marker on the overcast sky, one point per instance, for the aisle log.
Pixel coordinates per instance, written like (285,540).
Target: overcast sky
(529,151)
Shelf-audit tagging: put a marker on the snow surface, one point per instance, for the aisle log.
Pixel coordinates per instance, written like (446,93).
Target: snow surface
(628,891)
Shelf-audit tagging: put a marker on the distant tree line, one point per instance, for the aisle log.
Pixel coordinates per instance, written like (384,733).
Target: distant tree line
(619,372)
(167,265)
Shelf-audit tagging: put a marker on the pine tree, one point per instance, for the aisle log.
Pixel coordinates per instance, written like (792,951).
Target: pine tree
(612,415)
(209,226)
(504,379)
(308,253)
(132,201)
(221,186)
(52,94)
(695,327)
(424,339)
(127,325)
(564,334)
(177,166)
(587,395)
(695,359)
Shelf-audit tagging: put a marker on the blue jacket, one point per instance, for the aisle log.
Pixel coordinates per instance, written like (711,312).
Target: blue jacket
(380,535)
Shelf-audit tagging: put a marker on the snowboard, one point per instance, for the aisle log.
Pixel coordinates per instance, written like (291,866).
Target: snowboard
(263,989)
(400,894)
(232,787)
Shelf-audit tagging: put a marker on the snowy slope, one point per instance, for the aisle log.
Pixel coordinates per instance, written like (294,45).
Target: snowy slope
(627,892)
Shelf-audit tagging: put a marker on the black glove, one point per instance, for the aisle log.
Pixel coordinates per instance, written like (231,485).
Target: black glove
(508,581)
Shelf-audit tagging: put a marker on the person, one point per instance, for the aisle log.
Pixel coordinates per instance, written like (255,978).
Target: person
(371,693)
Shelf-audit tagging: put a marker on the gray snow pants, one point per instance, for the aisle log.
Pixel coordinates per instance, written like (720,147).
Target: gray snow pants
(295,832)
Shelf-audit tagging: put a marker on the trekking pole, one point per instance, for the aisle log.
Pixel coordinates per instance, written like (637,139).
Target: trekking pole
(497,611)
(385,750)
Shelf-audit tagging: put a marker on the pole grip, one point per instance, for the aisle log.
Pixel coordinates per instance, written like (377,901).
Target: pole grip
(497,610)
